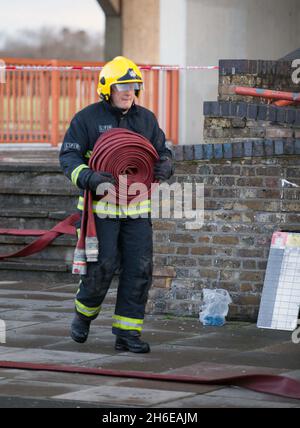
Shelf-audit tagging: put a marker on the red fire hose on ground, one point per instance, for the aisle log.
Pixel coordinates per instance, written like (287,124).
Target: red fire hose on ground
(65,227)
(119,152)
(268,384)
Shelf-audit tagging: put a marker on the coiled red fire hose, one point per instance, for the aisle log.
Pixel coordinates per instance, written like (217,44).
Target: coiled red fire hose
(125,153)
(122,153)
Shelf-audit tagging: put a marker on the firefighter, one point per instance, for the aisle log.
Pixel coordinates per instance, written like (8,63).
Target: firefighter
(124,241)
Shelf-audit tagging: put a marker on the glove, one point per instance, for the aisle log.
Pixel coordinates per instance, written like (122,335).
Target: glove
(163,169)
(99,178)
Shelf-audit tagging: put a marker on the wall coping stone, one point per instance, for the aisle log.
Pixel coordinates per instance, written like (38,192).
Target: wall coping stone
(238,149)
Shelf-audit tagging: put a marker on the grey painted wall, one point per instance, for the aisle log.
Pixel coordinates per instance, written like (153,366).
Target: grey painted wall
(208,30)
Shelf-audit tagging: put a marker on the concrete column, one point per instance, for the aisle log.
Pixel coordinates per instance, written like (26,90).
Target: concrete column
(113,37)
(113,27)
(141,30)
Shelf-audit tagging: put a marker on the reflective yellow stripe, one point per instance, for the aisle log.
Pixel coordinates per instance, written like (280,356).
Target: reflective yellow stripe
(145,203)
(88,154)
(112,209)
(88,312)
(128,320)
(125,323)
(123,327)
(76,172)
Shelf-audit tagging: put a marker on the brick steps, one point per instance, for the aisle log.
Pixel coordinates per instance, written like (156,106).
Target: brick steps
(29,269)
(53,252)
(39,202)
(34,194)
(46,272)
(32,219)
(61,241)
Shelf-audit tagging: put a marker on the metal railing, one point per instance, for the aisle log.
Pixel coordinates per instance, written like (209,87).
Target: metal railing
(39,98)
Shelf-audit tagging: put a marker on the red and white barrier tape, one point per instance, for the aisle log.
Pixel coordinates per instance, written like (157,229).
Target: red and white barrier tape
(87,68)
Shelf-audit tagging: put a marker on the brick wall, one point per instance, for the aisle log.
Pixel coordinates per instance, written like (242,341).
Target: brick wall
(244,204)
(275,75)
(238,117)
(250,147)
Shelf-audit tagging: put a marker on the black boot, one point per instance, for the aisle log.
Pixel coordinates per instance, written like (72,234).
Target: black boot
(80,329)
(131,342)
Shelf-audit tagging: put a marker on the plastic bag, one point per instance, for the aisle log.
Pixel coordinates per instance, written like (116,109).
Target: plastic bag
(215,307)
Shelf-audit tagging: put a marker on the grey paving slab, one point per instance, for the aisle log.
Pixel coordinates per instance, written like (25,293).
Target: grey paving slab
(288,359)
(158,337)
(295,374)
(31,388)
(15,325)
(22,402)
(189,326)
(65,378)
(9,284)
(166,386)
(241,340)
(268,333)
(63,288)
(23,285)
(34,316)
(7,349)
(119,362)
(209,370)
(34,295)
(245,394)
(95,345)
(177,356)
(132,397)
(15,339)
(284,347)
(5,310)
(101,338)
(206,401)
(39,305)
(44,356)
(9,373)
(162,358)
(58,328)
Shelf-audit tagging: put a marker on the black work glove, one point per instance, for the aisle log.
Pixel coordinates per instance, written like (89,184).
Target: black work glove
(99,178)
(163,169)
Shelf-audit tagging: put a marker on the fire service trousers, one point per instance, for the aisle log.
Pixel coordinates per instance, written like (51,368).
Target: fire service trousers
(125,244)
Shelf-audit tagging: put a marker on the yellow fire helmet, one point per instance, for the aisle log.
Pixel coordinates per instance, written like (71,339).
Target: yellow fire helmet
(119,71)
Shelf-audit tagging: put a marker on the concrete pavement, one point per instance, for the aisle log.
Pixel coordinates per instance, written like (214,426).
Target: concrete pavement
(38,316)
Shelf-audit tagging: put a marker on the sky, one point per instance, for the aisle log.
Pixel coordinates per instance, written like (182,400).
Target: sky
(33,14)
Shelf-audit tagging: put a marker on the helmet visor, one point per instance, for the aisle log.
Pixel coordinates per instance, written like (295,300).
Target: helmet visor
(123,87)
